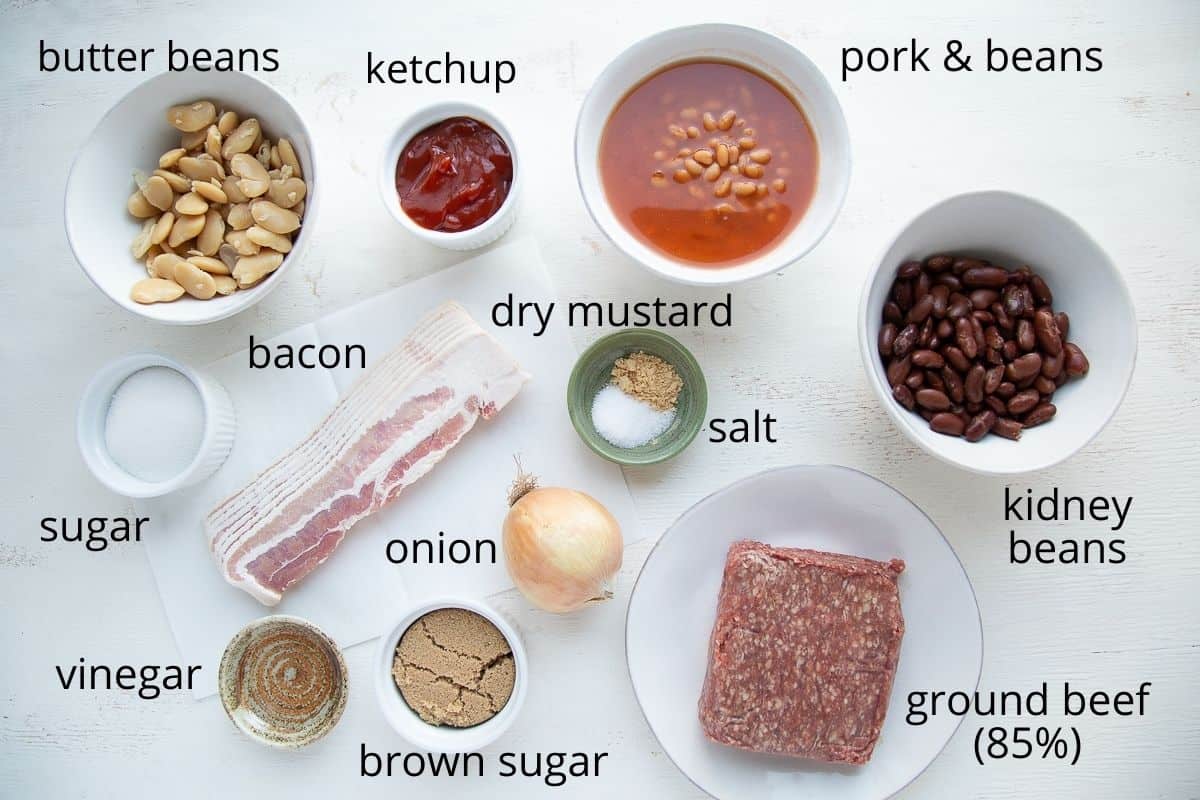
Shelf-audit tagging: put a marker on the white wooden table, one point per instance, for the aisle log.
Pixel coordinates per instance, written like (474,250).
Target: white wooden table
(1115,149)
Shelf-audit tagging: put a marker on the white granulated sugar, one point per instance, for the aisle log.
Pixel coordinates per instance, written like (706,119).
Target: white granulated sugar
(625,421)
(155,424)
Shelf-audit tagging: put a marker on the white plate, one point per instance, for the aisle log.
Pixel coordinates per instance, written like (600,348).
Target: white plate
(829,508)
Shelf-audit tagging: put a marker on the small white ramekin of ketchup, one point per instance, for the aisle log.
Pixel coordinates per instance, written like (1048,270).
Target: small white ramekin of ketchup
(450,175)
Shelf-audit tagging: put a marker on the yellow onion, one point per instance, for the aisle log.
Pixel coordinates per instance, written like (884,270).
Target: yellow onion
(561,546)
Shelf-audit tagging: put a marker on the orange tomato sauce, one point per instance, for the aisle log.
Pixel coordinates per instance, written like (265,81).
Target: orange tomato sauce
(660,153)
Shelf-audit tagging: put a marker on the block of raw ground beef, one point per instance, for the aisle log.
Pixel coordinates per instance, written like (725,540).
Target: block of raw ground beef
(803,652)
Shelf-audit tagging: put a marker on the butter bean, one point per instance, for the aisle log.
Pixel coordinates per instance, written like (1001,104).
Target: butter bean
(140,207)
(243,138)
(201,168)
(226,284)
(155,290)
(209,240)
(193,116)
(186,227)
(195,281)
(162,227)
(158,192)
(171,158)
(191,203)
(239,217)
(213,266)
(252,269)
(211,192)
(241,243)
(227,123)
(266,238)
(288,192)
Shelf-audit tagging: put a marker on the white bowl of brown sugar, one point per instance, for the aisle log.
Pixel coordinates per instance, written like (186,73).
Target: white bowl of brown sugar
(451,675)
(712,154)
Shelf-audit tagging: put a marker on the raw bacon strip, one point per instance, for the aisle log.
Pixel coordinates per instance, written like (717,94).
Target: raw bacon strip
(394,424)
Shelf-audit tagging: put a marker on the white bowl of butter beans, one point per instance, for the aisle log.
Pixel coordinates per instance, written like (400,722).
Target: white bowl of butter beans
(997,334)
(192,196)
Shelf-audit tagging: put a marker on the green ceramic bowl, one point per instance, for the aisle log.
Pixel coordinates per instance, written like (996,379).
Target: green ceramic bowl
(593,371)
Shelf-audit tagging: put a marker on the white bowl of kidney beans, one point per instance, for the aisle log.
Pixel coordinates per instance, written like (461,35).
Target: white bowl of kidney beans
(997,334)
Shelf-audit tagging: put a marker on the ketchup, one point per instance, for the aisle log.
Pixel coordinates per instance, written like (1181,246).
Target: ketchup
(453,176)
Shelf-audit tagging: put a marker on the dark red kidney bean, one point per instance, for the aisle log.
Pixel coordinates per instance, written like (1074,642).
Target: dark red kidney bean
(992,378)
(915,380)
(934,381)
(966,338)
(934,342)
(1022,401)
(1061,379)
(992,336)
(1008,428)
(938,263)
(1046,330)
(1003,320)
(905,340)
(904,396)
(941,298)
(921,286)
(902,294)
(945,329)
(933,399)
(1044,385)
(1020,275)
(1026,383)
(960,306)
(925,413)
(1010,350)
(1005,390)
(983,298)
(949,424)
(985,277)
(974,408)
(927,359)
(985,317)
(898,370)
(954,385)
(909,270)
(926,333)
(977,332)
(1064,324)
(1040,290)
(887,337)
(1041,413)
(1027,366)
(1028,302)
(961,265)
(1052,366)
(1011,299)
(956,358)
(994,356)
(951,282)
(892,313)
(1025,336)
(1076,362)
(979,426)
(996,404)
(973,385)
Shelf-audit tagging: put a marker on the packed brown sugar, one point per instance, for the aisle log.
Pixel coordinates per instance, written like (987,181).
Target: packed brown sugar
(453,667)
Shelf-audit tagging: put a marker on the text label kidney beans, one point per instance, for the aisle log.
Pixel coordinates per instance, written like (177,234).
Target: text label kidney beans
(975,348)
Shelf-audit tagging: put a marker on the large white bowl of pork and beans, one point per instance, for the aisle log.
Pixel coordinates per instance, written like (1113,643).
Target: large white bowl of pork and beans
(712,154)
(997,333)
